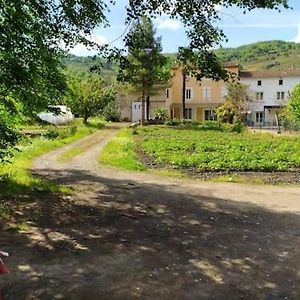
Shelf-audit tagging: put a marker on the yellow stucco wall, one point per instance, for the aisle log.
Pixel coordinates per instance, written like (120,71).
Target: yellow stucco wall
(217,89)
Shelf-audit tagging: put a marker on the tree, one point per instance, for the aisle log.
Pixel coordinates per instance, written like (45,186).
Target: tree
(33,32)
(292,110)
(87,98)
(235,106)
(144,65)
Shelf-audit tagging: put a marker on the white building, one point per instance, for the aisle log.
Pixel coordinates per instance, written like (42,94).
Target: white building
(269,92)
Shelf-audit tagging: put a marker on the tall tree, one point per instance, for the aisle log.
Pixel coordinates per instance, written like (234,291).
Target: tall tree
(144,65)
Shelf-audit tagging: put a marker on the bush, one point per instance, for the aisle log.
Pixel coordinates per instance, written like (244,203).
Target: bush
(210,125)
(51,134)
(238,126)
(111,112)
(172,122)
(161,113)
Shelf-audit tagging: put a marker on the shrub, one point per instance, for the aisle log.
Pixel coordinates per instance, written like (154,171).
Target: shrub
(111,112)
(210,125)
(161,113)
(172,122)
(51,134)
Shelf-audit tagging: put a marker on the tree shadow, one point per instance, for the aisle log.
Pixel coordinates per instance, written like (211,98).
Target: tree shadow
(121,239)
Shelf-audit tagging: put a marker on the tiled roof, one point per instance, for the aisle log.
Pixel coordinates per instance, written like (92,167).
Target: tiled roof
(262,74)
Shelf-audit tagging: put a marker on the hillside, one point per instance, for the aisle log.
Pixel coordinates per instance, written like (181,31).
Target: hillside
(269,55)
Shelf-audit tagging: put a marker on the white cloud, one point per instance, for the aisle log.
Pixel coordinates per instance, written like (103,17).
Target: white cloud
(164,22)
(82,50)
(297,37)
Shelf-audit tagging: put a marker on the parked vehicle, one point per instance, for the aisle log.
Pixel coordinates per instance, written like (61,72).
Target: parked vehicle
(57,115)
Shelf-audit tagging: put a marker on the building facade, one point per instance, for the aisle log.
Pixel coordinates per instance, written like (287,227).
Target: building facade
(202,97)
(130,105)
(268,92)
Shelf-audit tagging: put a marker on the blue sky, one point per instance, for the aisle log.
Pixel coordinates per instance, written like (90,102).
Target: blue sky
(258,25)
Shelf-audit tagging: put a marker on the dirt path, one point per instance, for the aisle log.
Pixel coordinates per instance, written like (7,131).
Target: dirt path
(127,235)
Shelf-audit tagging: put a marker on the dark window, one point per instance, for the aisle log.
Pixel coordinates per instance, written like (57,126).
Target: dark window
(188,94)
(280,82)
(188,113)
(280,95)
(259,116)
(210,115)
(259,82)
(167,93)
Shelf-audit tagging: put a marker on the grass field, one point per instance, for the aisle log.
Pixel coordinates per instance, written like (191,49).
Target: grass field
(220,151)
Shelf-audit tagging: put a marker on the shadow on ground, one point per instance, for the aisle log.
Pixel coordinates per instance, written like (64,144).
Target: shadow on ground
(124,240)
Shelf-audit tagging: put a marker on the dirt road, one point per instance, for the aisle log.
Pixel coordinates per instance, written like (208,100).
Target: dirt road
(125,235)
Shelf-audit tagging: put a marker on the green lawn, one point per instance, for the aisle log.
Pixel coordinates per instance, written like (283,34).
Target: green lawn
(220,151)
(120,152)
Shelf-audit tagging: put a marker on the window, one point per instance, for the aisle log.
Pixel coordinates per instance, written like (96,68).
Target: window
(188,113)
(188,94)
(259,96)
(280,82)
(223,92)
(280,95)
(167,93)
(259,82)
(206,93)
(259,117)
(210,115)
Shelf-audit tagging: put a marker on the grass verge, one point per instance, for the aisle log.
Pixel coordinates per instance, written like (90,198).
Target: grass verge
(120,152)
(15,177)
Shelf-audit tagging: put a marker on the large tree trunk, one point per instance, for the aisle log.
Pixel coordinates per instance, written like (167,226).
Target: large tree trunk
(183,94)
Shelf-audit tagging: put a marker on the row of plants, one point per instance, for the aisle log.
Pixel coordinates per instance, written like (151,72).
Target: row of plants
(213,150)
(237,126)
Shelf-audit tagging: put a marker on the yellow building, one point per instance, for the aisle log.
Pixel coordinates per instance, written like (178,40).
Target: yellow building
(202,97)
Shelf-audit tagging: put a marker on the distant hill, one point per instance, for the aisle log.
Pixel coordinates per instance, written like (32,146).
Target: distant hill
(82,65)
(269,55)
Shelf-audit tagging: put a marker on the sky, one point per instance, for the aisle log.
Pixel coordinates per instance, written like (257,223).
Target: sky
(240,29)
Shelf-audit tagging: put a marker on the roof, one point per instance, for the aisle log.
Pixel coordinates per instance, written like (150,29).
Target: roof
(263,74)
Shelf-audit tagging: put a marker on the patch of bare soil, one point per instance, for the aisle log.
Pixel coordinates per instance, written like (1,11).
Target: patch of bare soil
(126,235)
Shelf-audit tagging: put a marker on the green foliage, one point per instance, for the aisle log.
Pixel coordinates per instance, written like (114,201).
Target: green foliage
(235,105)
(237,126)
(226,113)
(161,113)
(120,152)
(292,110)
(144,66)
(88,97)
(111,112)
(263,55)
(172,122)
(15,177)
(221,151)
